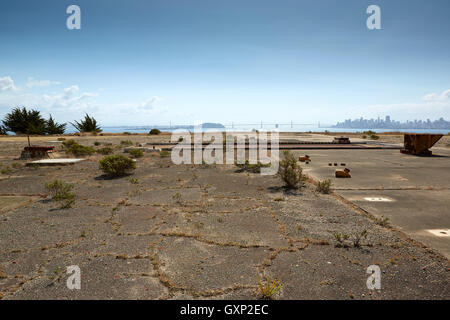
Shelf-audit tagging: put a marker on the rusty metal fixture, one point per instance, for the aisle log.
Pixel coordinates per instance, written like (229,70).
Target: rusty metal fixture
(36,152)
(304,159)
(419,143)
(343,173)
(341,140)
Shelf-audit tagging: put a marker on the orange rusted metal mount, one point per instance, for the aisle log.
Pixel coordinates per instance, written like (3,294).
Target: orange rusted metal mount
(419,143)
(36,152)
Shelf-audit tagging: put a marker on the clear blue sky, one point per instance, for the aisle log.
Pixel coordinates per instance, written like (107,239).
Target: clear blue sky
(150,62)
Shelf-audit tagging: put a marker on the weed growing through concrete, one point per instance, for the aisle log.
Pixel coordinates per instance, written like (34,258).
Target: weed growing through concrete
(134,181)
(340,239)
(383,221)
(177,197)
(6,170)
(358,237)
(17,165)
(268,288)
(290,172)
(205,165)
(60,192)
(324,186)
(254,168)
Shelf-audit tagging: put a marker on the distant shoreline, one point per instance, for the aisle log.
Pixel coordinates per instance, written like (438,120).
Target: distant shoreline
(306,129)
(328,131)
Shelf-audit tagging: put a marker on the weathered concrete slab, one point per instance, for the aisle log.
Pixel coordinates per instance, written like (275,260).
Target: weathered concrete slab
(413,192)
(415,212)
(382,169)
(54,162)
(209,232)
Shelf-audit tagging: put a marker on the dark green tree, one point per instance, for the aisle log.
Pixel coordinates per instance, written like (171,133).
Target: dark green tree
(154,131)
(89,124)
(24,121)
(52,127)
(3,130)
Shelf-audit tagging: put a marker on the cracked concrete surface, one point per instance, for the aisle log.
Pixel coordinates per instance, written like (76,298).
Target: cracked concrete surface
(135,240)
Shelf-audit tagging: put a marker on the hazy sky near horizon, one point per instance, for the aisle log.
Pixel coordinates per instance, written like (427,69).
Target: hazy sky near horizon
(143,62)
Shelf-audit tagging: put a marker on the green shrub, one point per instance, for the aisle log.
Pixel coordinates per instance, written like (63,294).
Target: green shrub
(374,137)
(89,124)
(60,192)
(6,170)
(105,150)
(17,165)
(80,150)
(369,132)
(117,165)
(154,132)
(164,153)
(68,143)
(324,186)
(126,142)
(136,153)
(96,143)
(73,147)
(289,170)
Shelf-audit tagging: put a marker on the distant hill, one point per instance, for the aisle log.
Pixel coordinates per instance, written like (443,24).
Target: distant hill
(210,125)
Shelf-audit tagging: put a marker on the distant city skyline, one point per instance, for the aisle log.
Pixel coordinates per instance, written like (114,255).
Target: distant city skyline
(388,123)
(141,62)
